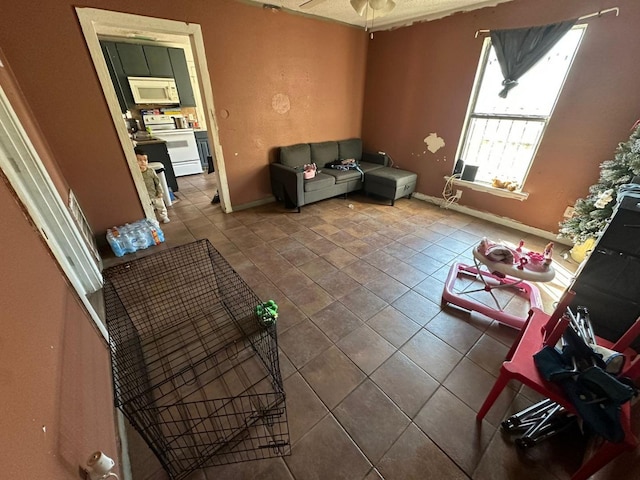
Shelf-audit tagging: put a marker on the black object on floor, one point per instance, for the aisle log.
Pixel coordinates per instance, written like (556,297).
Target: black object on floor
(194,369)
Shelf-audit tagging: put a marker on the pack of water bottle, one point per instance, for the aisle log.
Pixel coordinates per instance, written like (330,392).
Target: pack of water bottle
(135,236)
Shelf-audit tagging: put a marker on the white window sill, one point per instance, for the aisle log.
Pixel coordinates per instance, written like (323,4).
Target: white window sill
(483,187)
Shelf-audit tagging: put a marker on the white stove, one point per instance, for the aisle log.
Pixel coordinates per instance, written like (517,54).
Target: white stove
(181,143)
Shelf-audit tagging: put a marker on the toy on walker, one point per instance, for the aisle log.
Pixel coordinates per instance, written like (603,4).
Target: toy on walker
(508,267)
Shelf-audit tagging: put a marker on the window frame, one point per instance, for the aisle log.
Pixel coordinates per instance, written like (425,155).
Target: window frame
(470,115)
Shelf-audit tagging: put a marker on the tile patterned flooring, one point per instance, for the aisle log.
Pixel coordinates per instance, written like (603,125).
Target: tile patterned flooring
(381,380)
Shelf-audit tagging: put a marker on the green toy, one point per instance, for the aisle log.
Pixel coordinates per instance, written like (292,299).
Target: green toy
(267,313)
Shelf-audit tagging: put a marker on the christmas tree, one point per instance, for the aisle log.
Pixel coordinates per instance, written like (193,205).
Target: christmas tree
(591,213)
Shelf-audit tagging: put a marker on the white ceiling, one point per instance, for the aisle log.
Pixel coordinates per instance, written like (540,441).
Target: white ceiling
(405,13)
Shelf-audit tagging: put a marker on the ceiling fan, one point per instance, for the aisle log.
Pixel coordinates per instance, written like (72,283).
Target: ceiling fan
(378,7)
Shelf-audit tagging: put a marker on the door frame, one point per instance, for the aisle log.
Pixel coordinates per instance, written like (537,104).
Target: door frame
(93,22)
(21,163)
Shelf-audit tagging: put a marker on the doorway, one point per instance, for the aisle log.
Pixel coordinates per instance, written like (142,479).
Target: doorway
(96,23)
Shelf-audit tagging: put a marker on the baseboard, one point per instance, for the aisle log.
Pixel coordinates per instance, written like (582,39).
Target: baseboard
(257,203)
(507,222)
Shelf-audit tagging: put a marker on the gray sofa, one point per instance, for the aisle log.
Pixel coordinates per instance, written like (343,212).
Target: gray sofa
(287,175)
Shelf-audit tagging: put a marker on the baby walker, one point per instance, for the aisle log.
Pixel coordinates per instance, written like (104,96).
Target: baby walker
(508,267)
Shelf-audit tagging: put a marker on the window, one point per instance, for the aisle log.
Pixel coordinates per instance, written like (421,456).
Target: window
(501,135)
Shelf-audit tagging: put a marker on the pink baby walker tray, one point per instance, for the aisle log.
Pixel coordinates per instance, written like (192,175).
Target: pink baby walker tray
(499,265)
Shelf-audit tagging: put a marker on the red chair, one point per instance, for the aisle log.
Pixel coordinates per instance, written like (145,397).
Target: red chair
(541,329)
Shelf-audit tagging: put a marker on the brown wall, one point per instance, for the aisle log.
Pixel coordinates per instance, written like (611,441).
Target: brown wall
(252,54)
(54,368)
(257,54)
(55,379)
(419,80)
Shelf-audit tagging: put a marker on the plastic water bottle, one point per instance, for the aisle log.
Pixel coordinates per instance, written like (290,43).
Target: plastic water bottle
(116,242)
(157,235)
(130,238)
(144,231)
(127,236)
(139,238)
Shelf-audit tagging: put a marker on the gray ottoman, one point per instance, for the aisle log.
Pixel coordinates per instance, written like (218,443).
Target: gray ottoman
(390,183)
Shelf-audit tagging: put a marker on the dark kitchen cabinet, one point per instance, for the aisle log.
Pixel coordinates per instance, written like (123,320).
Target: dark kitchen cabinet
(158,61)
(608,282)
(133,60)
(202,142)
(181,75)
(144,60)
(117,74)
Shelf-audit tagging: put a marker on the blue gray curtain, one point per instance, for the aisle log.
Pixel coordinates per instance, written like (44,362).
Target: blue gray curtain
(519,49)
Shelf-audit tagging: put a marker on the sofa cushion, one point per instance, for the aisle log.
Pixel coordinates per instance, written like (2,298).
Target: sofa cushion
(342,176)
(391,183)
(351,148)
(295,155)
(319,182)
(369,167)
(391,176)
(323,153)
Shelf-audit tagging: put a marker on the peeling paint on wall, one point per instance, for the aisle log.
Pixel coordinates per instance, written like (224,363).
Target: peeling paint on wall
(280,103)
(434,142)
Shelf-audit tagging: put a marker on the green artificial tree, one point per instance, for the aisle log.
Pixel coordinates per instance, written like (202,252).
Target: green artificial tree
(591,213)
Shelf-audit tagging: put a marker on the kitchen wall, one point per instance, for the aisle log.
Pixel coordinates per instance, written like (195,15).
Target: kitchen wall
(55,378)
(280,79)
(419,80)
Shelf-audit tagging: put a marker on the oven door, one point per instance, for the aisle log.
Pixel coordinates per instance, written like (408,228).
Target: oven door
(183,150)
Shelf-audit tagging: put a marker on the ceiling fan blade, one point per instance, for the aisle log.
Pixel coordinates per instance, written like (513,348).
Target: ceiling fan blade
(310,4)
(377,4)
(381,12)
(359,6)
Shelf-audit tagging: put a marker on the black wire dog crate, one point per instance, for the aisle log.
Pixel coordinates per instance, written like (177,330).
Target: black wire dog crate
(195,370)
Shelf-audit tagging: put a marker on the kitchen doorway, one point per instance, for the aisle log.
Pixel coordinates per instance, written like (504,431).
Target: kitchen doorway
(95,23)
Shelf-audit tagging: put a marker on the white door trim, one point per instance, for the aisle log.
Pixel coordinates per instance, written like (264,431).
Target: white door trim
(94,22)
(22,165)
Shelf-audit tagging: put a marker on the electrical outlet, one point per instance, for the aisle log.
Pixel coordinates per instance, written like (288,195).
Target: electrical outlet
(458,194)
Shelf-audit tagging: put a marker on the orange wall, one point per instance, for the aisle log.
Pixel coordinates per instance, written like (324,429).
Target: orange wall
(419,81)
(253,54)
(55,379)
(257,54)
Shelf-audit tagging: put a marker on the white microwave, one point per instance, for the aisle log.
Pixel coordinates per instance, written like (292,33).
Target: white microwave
(154,91)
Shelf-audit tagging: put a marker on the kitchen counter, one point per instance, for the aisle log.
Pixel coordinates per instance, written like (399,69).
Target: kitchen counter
(149,141)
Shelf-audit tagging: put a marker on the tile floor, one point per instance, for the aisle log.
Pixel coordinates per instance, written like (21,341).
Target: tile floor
(381,380)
